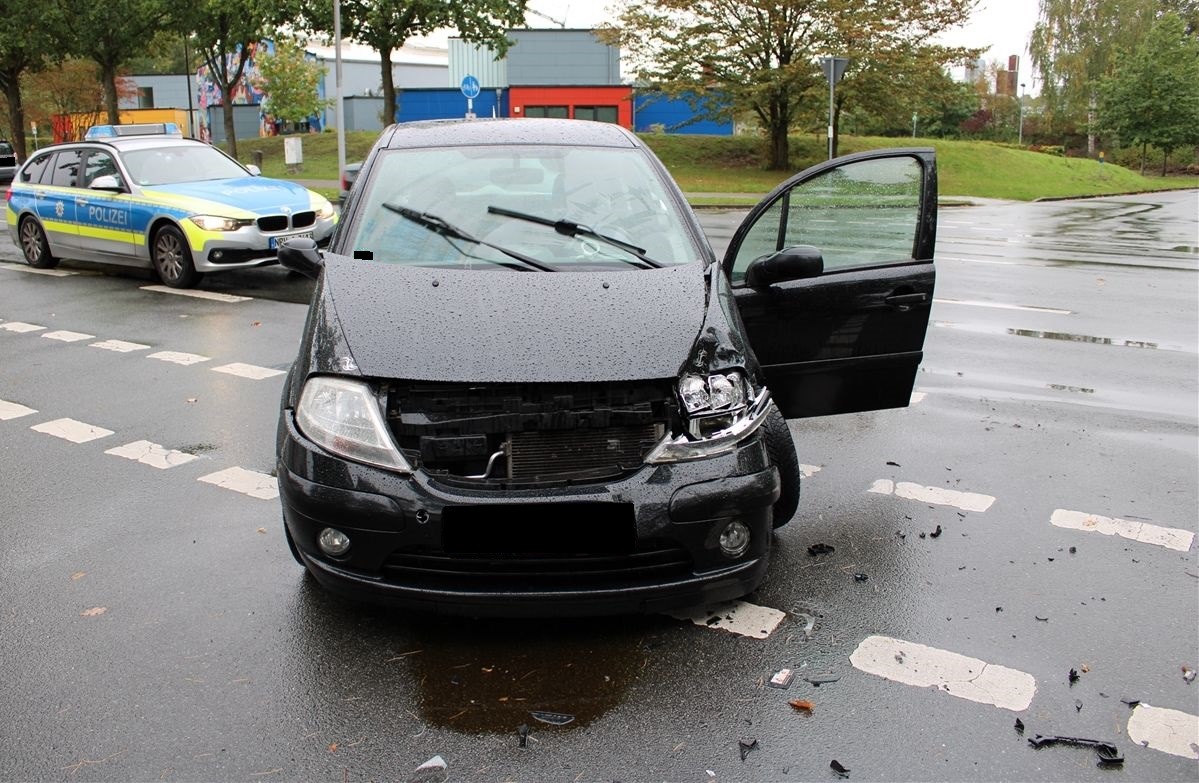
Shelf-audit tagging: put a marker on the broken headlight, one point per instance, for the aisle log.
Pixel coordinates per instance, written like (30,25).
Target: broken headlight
(342,416)
(719,411)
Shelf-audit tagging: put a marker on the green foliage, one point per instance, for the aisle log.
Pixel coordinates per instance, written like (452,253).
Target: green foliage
(291,82)
(1153,96)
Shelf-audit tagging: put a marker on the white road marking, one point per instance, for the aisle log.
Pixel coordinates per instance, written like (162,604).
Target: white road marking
(12,410)
(210,295)
(152,454)
(74,431)
(1170,731)
(251,371)
(966,501)
(739,617)
(917,397)
(120,346)
(32,271)
(998,306)
(958,675)
(68,337)
(1169,537)
(807,471)
(176,357)
(21,327)
(247,482)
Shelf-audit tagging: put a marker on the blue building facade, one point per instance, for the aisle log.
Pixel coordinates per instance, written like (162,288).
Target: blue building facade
(652,110)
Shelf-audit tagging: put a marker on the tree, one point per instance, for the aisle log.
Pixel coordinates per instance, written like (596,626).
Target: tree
(764,54)
(226,34)
(1153,95)
(1074,46)
(25,46)
(70,88)
(290,82)
(109,37)
(385,25)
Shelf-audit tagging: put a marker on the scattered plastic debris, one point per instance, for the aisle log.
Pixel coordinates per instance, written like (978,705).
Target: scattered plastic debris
(1019,726)
(936,533)
(999,609)
(1109,754)
(522,731)
(821,549)
(809,623)
(1042,619)
(1084,668)
(923,534)
(839,768)
(553,718)
(802,705)
(781,679)
(432,771)
(860,577)
(1130,702)
(821,679)
(1073,550)
(748,745)
(1078,705)
(894,464)
(1073,676)
(1188,674)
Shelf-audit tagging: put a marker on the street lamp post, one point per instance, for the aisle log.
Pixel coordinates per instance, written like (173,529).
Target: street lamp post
(1020,136)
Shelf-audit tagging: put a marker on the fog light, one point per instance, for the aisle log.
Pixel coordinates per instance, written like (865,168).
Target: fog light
(336,543)
(734,539)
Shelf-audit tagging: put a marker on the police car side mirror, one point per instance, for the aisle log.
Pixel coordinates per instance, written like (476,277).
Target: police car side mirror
(106,182)
(301,255)
(254,170)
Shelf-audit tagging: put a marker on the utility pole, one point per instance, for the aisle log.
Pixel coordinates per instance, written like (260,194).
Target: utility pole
(834,69)
(340,114)
(1020,136)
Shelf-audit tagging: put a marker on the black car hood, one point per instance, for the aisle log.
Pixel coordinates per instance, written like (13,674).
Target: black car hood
(419,323)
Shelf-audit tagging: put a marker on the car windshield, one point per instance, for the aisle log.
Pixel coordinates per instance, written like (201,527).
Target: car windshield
(5,148)
(522,199)
(179,163)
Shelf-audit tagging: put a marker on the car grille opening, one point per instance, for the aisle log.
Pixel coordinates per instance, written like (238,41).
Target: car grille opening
(303,219)
(273,223)
(513,434)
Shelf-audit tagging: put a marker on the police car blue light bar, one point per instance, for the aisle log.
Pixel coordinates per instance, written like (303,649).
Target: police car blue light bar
(144,129)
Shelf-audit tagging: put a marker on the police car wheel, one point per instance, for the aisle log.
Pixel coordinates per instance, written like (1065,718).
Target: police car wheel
(34,245)
(172,258)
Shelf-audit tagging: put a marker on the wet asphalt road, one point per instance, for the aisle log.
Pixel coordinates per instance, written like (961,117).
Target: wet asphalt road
(154,627)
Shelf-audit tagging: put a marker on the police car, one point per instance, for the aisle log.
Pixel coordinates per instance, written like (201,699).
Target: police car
(143,195)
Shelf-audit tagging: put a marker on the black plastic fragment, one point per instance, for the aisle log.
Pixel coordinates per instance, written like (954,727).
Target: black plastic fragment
(820,549)
(747,745)
(839,768)
(1109,754)
(1131,702)
(936,533)
(1019,726)
(894,464)
(822,679)
(1078,705)
(522,731)
(1073,550)
(1042,619)
(860,577)
(1073,676)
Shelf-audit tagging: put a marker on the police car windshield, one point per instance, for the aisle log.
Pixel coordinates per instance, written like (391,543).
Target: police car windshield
(179,163)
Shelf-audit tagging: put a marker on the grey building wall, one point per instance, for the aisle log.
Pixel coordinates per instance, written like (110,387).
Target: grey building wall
(468,59)
(170,91)
(245,122)
(362,113)
(570,57)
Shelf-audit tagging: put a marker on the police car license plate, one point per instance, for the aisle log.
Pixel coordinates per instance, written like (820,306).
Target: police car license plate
(276,241)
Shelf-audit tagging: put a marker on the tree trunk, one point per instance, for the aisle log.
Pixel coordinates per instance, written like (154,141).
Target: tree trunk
(1144,149)
(836,126)
(108,75)
(780,148)
(1091,128)
(390,109)
(1165,161)
(227,116)
(16,116)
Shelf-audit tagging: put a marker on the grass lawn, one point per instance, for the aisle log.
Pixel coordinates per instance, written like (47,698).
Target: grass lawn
(732,164)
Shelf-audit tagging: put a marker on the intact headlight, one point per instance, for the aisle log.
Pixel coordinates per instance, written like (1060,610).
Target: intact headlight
(342,416)
(324,210)
(218,223)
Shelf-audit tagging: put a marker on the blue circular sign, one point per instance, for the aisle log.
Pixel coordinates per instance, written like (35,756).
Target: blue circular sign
(470,87)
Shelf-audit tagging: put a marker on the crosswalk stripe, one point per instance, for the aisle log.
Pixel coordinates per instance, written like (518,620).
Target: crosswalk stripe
(251,371)
(152,454)
(1169,537)
(247,482)
(119,346)
(12,410)
(966,501)
(1170,731)
(65,336)
(175,357)
(20,327)
(72,430)
(194,294)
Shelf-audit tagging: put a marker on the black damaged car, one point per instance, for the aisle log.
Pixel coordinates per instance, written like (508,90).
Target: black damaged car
(526,386)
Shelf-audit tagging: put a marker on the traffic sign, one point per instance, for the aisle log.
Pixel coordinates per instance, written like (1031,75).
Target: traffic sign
(470,87)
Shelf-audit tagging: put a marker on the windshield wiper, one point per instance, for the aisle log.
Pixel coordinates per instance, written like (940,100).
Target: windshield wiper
(439,225)
(572,229)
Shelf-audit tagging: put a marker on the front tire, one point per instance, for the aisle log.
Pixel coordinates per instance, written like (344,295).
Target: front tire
(35,246)
(172,258)
(780,447)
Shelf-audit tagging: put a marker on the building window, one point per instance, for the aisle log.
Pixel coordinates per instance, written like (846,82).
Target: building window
(145,97)
(597,113)
(554,112)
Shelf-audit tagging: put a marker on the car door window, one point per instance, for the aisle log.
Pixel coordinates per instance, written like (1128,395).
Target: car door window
(32,174)
(99,164)
(861,214)
(66,169)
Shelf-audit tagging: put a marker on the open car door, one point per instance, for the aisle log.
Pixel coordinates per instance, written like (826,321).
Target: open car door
(833,276)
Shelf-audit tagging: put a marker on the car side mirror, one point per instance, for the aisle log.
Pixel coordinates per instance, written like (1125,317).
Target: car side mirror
(791,263)
(301,255)
(254,170)
(106,182)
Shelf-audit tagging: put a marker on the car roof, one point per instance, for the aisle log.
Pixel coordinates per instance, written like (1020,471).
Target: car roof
(541,132)
(131,143)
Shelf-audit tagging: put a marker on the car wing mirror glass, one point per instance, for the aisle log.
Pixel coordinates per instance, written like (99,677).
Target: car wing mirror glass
(791,263)
(254,170)
(301,255)
(105,182)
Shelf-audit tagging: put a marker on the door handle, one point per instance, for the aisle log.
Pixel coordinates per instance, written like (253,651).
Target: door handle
(904,302)
(81,202)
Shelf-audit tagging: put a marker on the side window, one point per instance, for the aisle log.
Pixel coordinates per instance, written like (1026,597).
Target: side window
(859,214)
(65,173)
(99,164)
(32,173)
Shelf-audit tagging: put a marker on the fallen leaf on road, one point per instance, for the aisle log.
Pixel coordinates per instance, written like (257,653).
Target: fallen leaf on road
(802,705)
(75,577)
(94,611)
